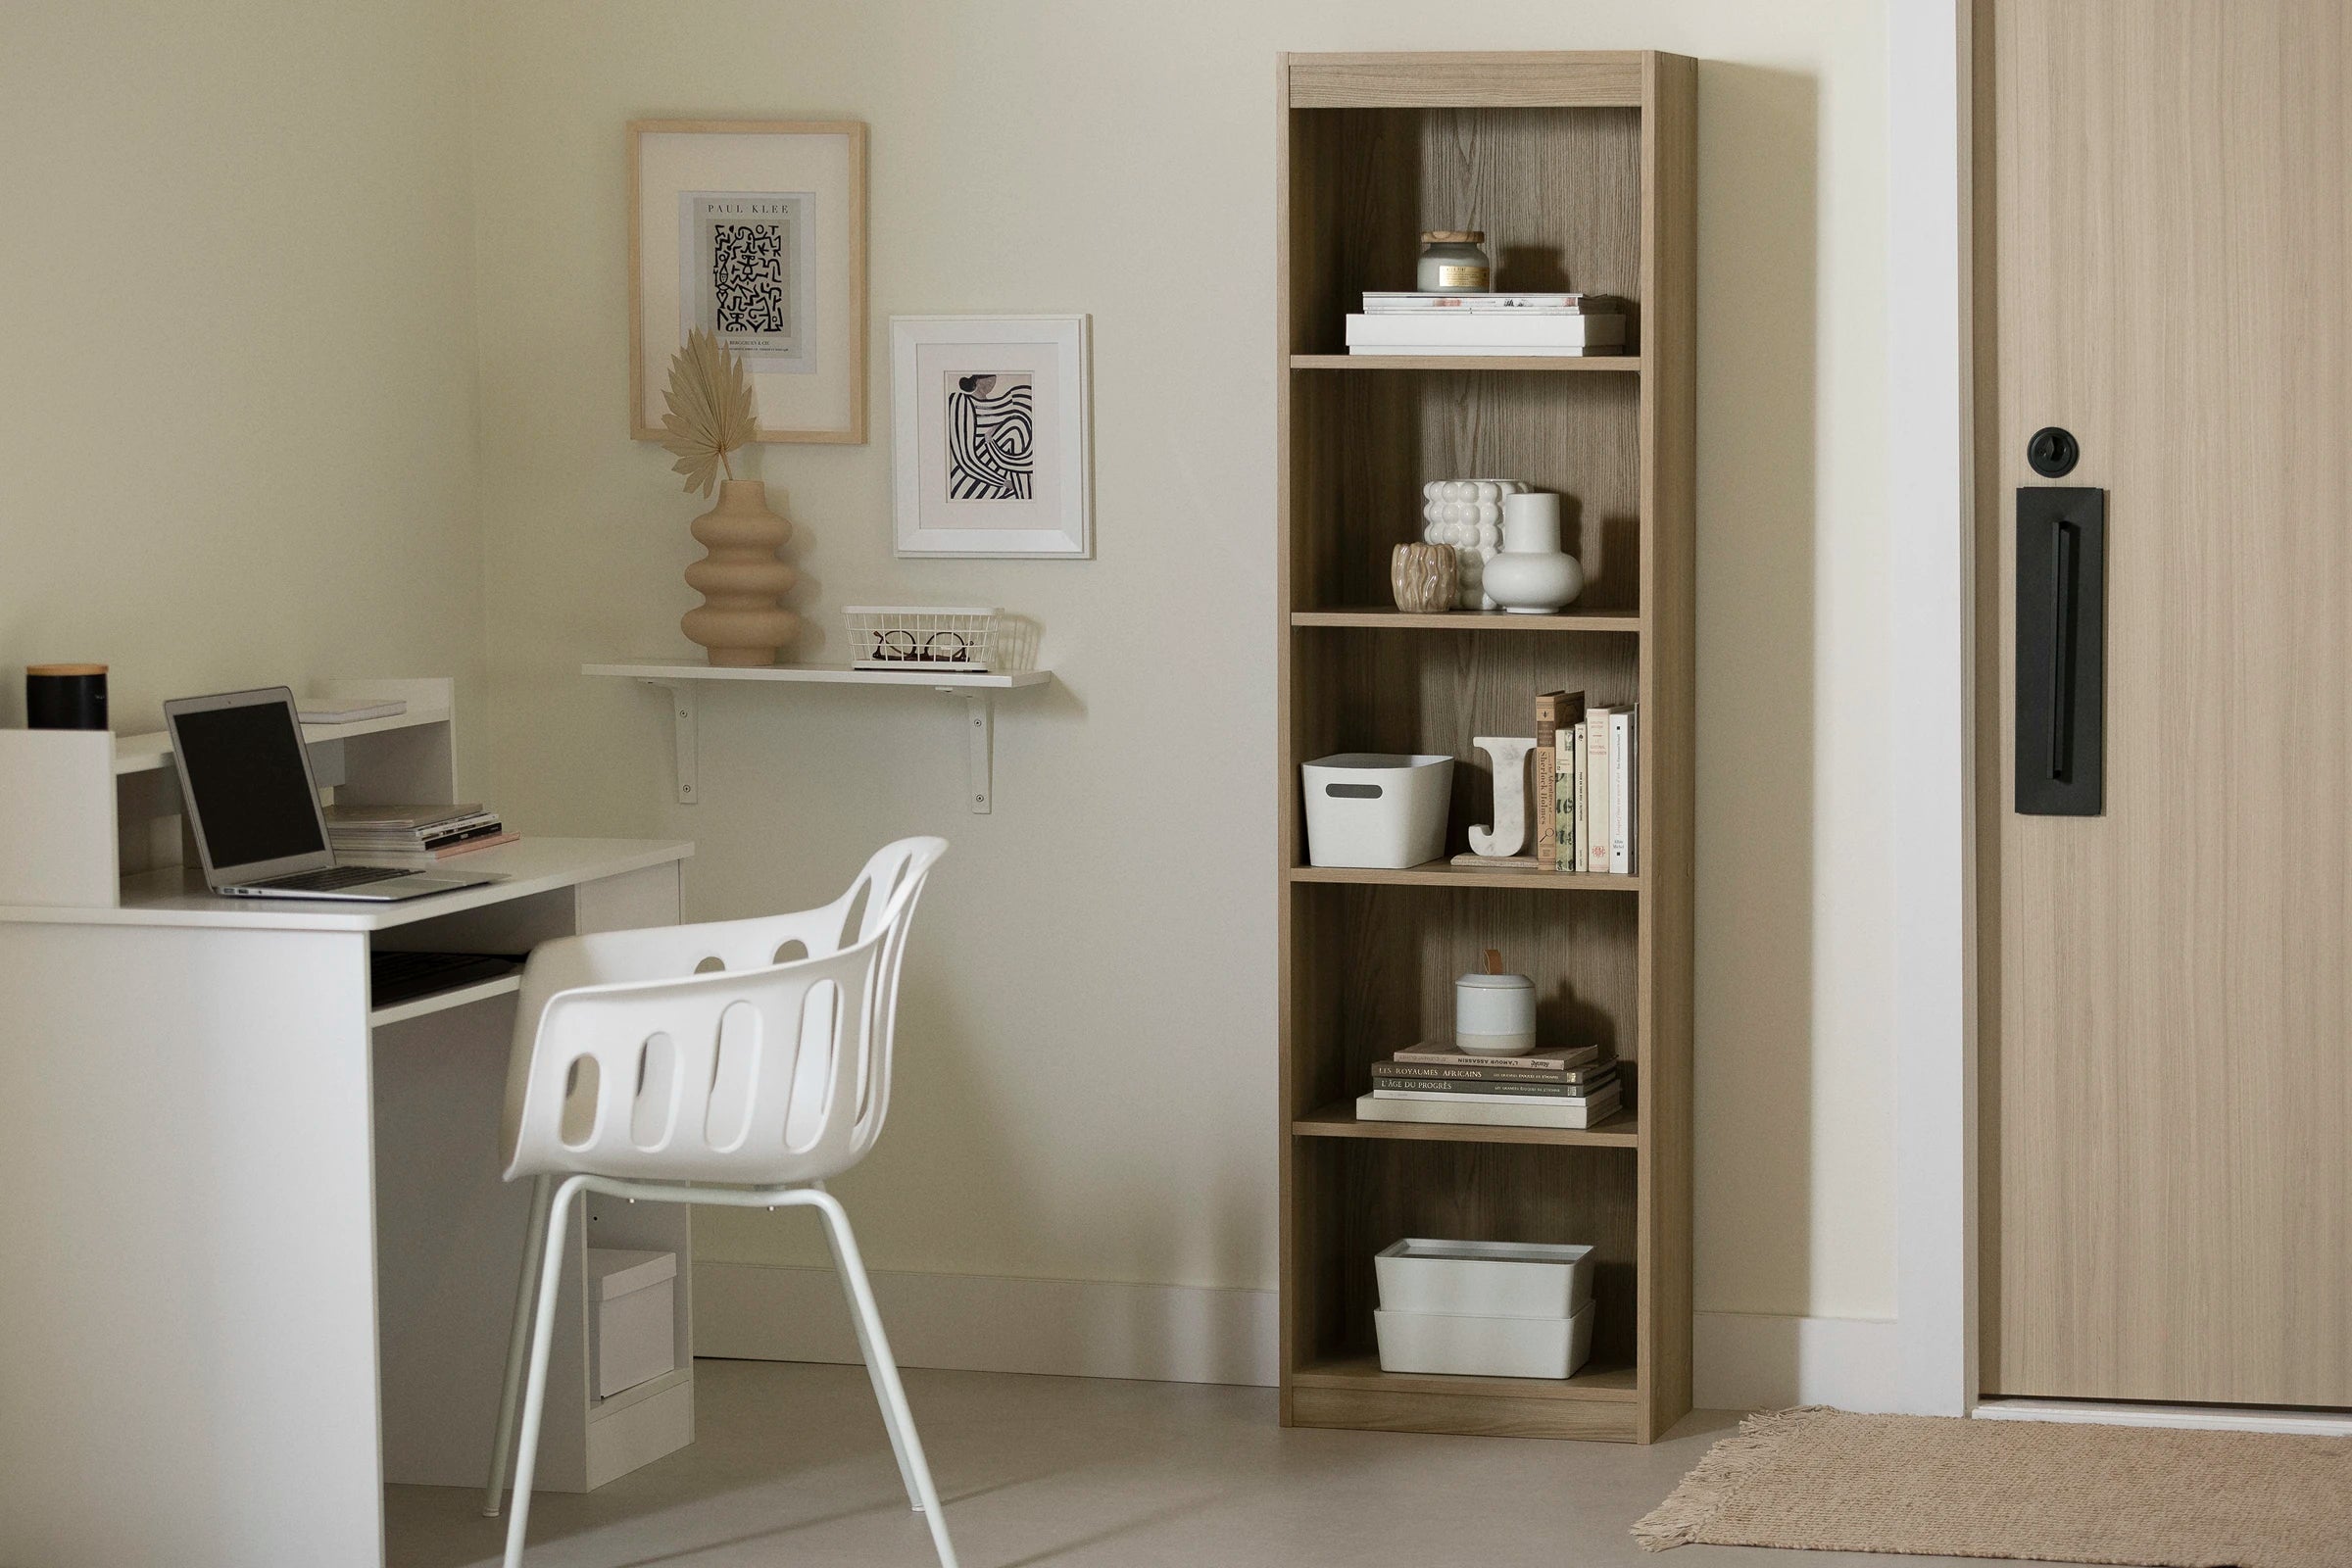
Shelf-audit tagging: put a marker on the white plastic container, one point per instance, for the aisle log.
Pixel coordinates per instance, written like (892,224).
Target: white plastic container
(1485,1279)
(1464,1346)
(1378,810)
(633,1299)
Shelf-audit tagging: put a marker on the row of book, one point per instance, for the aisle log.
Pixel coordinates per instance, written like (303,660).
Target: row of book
(1566,1086)
(1587,776)
(412,835)
(1488,325)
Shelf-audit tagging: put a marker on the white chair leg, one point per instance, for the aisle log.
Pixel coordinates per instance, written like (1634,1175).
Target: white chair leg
(874,1345)
(865,1349)
(534,1396)
(519,1341)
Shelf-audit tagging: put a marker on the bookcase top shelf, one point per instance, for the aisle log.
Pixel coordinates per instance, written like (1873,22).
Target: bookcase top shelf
(1374,617)
(1620,364)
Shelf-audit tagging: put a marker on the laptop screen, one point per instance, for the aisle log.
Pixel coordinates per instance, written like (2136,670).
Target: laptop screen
(244,768)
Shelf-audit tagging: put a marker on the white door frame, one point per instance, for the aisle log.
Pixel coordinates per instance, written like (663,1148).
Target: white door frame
(1930,513)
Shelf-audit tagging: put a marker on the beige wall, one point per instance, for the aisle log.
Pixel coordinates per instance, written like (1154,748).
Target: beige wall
(286,239)
(1088,1085)
(237,418)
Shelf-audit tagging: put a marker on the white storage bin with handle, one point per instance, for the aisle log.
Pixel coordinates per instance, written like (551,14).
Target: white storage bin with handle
(1376,810)
(633,1298)
(1466,1345)
(1485,1279)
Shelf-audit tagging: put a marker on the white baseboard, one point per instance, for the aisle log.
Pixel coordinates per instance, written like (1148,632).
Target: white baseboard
(1199,1334)
(2193,1417)
(990,1323)
(1765,1361)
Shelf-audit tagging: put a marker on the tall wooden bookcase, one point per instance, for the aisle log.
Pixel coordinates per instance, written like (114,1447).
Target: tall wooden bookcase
(1580,168)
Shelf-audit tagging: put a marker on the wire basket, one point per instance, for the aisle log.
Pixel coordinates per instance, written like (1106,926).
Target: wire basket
(920,637)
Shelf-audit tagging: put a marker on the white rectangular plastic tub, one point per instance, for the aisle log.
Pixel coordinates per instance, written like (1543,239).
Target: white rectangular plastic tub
(1378,810)
(633,1303)
(1485,1279)
(1466,1345)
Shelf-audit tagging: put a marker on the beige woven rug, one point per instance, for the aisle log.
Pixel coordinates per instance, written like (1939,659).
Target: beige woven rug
(1832,1480)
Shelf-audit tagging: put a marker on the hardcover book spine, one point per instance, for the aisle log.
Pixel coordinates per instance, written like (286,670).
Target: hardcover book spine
(1596,857)
(1583,826)
(1546,770)
(1621,791)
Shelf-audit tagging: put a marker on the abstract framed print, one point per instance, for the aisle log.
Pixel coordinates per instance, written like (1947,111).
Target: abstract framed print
(755,231)
(989,446)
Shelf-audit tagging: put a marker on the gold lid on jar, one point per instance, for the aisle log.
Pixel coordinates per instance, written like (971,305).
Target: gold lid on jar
(1454,236)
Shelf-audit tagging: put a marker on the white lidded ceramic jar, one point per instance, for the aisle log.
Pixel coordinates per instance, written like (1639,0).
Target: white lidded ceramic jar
(1495,1014)
(1531,575)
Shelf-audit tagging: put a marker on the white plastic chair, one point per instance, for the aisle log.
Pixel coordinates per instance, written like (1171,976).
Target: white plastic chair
(635,1074)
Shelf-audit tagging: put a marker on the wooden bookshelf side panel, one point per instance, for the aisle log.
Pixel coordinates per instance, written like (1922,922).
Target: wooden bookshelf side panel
(1366,184)
(1370,1193)
(1374,971)
(1434,693)
(1363,446)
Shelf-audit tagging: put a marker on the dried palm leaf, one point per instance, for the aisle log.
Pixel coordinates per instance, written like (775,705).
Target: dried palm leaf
(709,413)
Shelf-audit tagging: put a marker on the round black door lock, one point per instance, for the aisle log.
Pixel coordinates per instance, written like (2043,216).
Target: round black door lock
(2053,452)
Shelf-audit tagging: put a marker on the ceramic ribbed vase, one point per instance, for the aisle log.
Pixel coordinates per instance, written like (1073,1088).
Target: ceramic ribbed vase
(738,621)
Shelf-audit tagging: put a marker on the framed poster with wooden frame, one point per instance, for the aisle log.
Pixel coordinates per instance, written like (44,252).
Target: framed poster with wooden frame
(756,230)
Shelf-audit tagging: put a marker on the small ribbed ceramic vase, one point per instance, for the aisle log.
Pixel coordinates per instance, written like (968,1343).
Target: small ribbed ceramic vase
(740,579)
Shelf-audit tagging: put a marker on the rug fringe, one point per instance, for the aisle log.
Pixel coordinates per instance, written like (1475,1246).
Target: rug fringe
(1687,1509)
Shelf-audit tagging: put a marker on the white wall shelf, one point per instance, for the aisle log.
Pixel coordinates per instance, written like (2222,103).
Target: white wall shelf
(680,681)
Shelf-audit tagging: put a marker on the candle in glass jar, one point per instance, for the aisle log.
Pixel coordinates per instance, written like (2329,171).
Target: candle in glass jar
(1454,261)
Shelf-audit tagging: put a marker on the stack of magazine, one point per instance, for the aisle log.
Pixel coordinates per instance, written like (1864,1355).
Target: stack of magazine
(412,835)
(1567,1086)
(1488,325)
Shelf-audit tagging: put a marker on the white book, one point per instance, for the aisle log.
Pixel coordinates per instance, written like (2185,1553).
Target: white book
(1583,804)
(1454,1111)
(1621,790)
(1596,788)
(1528,331)
(1377,303)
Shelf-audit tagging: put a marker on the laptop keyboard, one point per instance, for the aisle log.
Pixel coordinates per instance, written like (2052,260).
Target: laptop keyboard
(334,878)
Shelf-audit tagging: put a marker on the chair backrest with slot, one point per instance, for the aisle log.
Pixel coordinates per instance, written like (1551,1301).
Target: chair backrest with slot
(749,1052)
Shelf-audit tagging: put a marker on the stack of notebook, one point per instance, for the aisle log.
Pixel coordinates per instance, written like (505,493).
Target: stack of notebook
(1567,1086)
(412,835)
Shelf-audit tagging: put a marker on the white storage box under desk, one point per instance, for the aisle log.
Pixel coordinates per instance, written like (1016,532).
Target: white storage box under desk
(1467,1345)
(633,1303)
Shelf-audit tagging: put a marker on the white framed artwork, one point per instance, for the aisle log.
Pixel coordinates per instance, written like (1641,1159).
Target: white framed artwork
(754,229)
(989,446)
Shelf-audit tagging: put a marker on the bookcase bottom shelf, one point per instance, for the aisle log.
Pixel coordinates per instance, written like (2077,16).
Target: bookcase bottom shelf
(1599,1404)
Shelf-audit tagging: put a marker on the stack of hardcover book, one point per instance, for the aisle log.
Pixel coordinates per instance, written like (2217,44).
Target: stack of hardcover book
(1567,1086)
(1488,325)
(412,835)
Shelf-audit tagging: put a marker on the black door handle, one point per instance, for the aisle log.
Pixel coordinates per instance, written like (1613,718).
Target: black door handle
(2063,536)
(2061,609)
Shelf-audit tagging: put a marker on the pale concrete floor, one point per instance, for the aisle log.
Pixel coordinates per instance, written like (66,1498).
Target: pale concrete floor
(791,1467)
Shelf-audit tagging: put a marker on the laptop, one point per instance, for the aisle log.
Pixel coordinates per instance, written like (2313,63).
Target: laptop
(253,805)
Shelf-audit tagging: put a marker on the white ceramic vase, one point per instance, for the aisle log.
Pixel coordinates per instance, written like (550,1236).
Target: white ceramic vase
(1531,575)
(1467,513)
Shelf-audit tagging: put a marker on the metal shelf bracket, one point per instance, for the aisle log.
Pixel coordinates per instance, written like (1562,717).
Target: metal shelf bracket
(979,736)
(682,708)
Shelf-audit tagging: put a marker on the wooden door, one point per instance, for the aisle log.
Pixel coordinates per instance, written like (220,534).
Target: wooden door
(2164,259)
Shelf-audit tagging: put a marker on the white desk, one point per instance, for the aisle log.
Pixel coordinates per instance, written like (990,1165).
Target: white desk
(255,1256)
